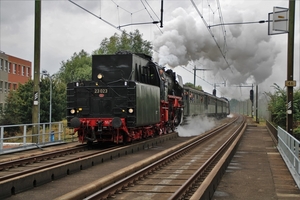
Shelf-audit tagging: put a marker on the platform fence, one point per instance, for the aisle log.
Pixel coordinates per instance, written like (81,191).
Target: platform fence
(20,137)
(288,147)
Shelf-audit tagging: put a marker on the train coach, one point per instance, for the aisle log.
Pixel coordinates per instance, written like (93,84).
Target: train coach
(200,103)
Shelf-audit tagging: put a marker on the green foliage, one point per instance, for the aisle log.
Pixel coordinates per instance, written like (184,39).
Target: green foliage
(79,67)
(11,114)
(191,85)
(58,100)
(277,107)
(18,109)
(132,42)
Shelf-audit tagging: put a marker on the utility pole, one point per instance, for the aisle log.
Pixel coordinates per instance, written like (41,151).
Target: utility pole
(257,120)
(290,83)
(36,70)
(251,99)
(195,69)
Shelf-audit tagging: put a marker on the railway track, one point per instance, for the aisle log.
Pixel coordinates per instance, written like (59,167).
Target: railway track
(21,162)
(23,174)
(186,171)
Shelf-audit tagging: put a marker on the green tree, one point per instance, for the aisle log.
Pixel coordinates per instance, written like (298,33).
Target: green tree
(18,107)
(10,113)
(132,42)
(277,106)
(191,85)
(58,100)
(79,67)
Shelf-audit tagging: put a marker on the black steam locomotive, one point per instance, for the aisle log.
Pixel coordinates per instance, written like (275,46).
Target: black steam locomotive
(129,98)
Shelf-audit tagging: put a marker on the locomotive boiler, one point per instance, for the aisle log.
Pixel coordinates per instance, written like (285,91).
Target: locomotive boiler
(129,98)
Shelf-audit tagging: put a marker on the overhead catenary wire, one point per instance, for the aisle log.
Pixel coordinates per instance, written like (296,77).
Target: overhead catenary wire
(95,15)
(237,23)
(112,25)
(211,33)
(223,27)
(196,75)
(150,14)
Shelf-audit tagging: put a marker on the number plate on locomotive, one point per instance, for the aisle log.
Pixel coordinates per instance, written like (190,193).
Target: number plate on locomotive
(100,91)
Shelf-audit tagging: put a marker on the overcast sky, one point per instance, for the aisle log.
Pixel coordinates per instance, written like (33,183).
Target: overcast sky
(252,56)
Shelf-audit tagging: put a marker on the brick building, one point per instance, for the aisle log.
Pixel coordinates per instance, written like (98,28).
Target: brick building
(13,71)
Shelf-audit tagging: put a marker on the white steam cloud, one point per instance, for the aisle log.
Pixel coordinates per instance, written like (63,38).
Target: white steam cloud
(196,126)
(250,52)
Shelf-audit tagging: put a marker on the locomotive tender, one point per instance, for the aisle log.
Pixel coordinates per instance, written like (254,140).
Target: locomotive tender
(130,97)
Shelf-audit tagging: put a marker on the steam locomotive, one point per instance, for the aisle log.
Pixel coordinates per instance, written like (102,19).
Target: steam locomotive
(130,98)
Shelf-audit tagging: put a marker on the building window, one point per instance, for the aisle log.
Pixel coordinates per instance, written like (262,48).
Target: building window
(9,86)
(1,64)
(15,86)
(9,67)
(14,68)
(1,86)
(4,66)
(23,69)
(5,87)
(27,71)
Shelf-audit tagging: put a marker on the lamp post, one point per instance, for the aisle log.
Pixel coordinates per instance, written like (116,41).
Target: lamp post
(44,72)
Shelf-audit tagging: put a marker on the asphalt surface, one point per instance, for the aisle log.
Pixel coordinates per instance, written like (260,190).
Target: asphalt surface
(257,171)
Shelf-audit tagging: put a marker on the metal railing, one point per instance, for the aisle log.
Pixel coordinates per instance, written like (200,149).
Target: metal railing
(288,147)
(20,137)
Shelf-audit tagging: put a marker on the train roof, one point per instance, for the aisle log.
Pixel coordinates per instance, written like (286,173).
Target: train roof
(204,93)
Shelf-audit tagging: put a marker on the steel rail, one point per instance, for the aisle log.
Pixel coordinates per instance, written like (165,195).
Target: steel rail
(37,158)
(123,183)
(43,167)
(186,188)
(17,184)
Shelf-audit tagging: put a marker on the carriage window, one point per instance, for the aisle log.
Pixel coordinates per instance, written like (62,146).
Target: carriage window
(186,95)
(191,97)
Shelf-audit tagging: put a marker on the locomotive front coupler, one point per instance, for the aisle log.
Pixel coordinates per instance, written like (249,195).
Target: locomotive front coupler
(93,138)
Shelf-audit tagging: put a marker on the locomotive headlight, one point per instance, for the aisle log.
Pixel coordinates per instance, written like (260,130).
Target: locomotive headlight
(73,111)
(99,76)
(130,110)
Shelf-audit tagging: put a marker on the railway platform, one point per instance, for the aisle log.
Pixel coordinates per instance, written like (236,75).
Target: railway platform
(257,170)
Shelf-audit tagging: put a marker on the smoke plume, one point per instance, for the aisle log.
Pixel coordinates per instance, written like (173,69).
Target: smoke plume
(249,51)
